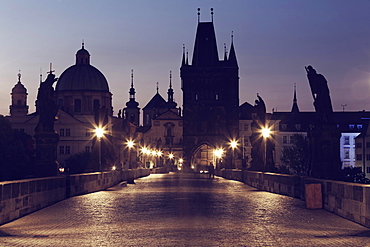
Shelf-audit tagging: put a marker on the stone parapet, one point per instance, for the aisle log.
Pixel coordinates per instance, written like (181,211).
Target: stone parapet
(349,200)
(22,197)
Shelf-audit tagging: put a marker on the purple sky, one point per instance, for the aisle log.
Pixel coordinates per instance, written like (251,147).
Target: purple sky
(274,40)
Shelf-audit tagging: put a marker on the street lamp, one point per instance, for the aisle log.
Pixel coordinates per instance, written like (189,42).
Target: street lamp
(99,133)
(233,145)
(130,144)
(266,133)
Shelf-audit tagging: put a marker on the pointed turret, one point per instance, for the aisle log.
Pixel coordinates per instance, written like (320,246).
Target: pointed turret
(295,108)
(232,56)
(183,62)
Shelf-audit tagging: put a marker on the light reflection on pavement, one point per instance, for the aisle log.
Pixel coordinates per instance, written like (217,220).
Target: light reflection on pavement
(182,210)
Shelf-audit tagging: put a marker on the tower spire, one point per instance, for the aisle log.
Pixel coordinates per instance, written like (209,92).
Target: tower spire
(132,89)
(295,108)
(232,55)
(157,87)
(183,55)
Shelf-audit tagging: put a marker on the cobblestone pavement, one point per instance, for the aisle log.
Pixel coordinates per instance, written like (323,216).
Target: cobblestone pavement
(181,210)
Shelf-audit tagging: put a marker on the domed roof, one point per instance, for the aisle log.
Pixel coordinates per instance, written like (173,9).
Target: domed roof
(82,76)
(19,88)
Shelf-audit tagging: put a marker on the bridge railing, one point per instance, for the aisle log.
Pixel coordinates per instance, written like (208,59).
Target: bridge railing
(22,197)
(349,200)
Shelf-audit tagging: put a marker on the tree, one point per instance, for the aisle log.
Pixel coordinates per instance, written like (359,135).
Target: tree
(296,157)
(16,152)
(79,163)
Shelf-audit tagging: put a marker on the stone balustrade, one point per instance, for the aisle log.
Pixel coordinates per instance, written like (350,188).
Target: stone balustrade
(349,200)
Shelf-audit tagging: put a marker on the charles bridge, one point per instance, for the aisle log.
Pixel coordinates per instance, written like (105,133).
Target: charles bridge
(186,209)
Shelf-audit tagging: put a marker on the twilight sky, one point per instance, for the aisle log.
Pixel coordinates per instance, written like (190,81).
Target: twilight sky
(273,40)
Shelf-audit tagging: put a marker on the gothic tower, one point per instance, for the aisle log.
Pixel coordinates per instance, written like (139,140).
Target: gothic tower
(19,94)
(132,111)
(210,95)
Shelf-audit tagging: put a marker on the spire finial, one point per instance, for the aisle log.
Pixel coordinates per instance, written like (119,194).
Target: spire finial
(83,44)
(198,15)
(212,14)
(132,78)
(19,76)
(51,69)
(40,74)
(170,79)
(187,57)
(232,36)
(225,55)
(157,87)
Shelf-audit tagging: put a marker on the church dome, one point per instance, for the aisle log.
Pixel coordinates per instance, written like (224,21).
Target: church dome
(19,88)
(82,76)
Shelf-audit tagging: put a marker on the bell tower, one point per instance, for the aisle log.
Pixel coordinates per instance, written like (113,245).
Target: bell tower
(132,111)
(19,106)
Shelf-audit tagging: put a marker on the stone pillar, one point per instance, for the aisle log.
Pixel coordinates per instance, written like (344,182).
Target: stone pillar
(46,154)
(324,141)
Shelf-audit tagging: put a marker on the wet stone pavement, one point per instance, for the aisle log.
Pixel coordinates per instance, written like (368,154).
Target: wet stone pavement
(182,210)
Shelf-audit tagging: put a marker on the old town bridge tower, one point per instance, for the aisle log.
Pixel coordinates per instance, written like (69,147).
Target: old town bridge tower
(210,99)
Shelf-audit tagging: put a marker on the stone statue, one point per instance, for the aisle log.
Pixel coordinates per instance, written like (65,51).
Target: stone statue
(320,94)
(260,109)
(46,106)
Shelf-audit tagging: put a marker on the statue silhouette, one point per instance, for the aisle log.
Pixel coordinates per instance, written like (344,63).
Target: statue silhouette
(46,106)
(321,95)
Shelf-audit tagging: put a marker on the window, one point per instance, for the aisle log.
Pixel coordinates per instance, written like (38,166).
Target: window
(68,132)
(68,149)
(359,126)
(368,169)
(346,140)
(359,157)
(246,127)
(88,133)
(285,140)
(61,149)
(358,145)
(346,153)
(368,144)
(291,139)
(77,107)
(19,102)
(61,132)
(367,156)
(96,104)
(87,149)
(351,126)
(284,126)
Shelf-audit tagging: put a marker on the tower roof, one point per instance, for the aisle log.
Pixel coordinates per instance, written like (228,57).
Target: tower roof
(205,46)
(19,88)
(156,102)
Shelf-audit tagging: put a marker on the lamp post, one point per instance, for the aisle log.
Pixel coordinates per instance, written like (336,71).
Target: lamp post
(233,145)
(130,144)
(99,132)
(266,133)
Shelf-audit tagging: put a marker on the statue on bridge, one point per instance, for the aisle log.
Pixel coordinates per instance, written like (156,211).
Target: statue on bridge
(46,106)
(321,95)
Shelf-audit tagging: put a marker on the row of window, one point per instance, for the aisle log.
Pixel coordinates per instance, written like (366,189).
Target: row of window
(359,145)
(359,157)
(67,149)
(64,132)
